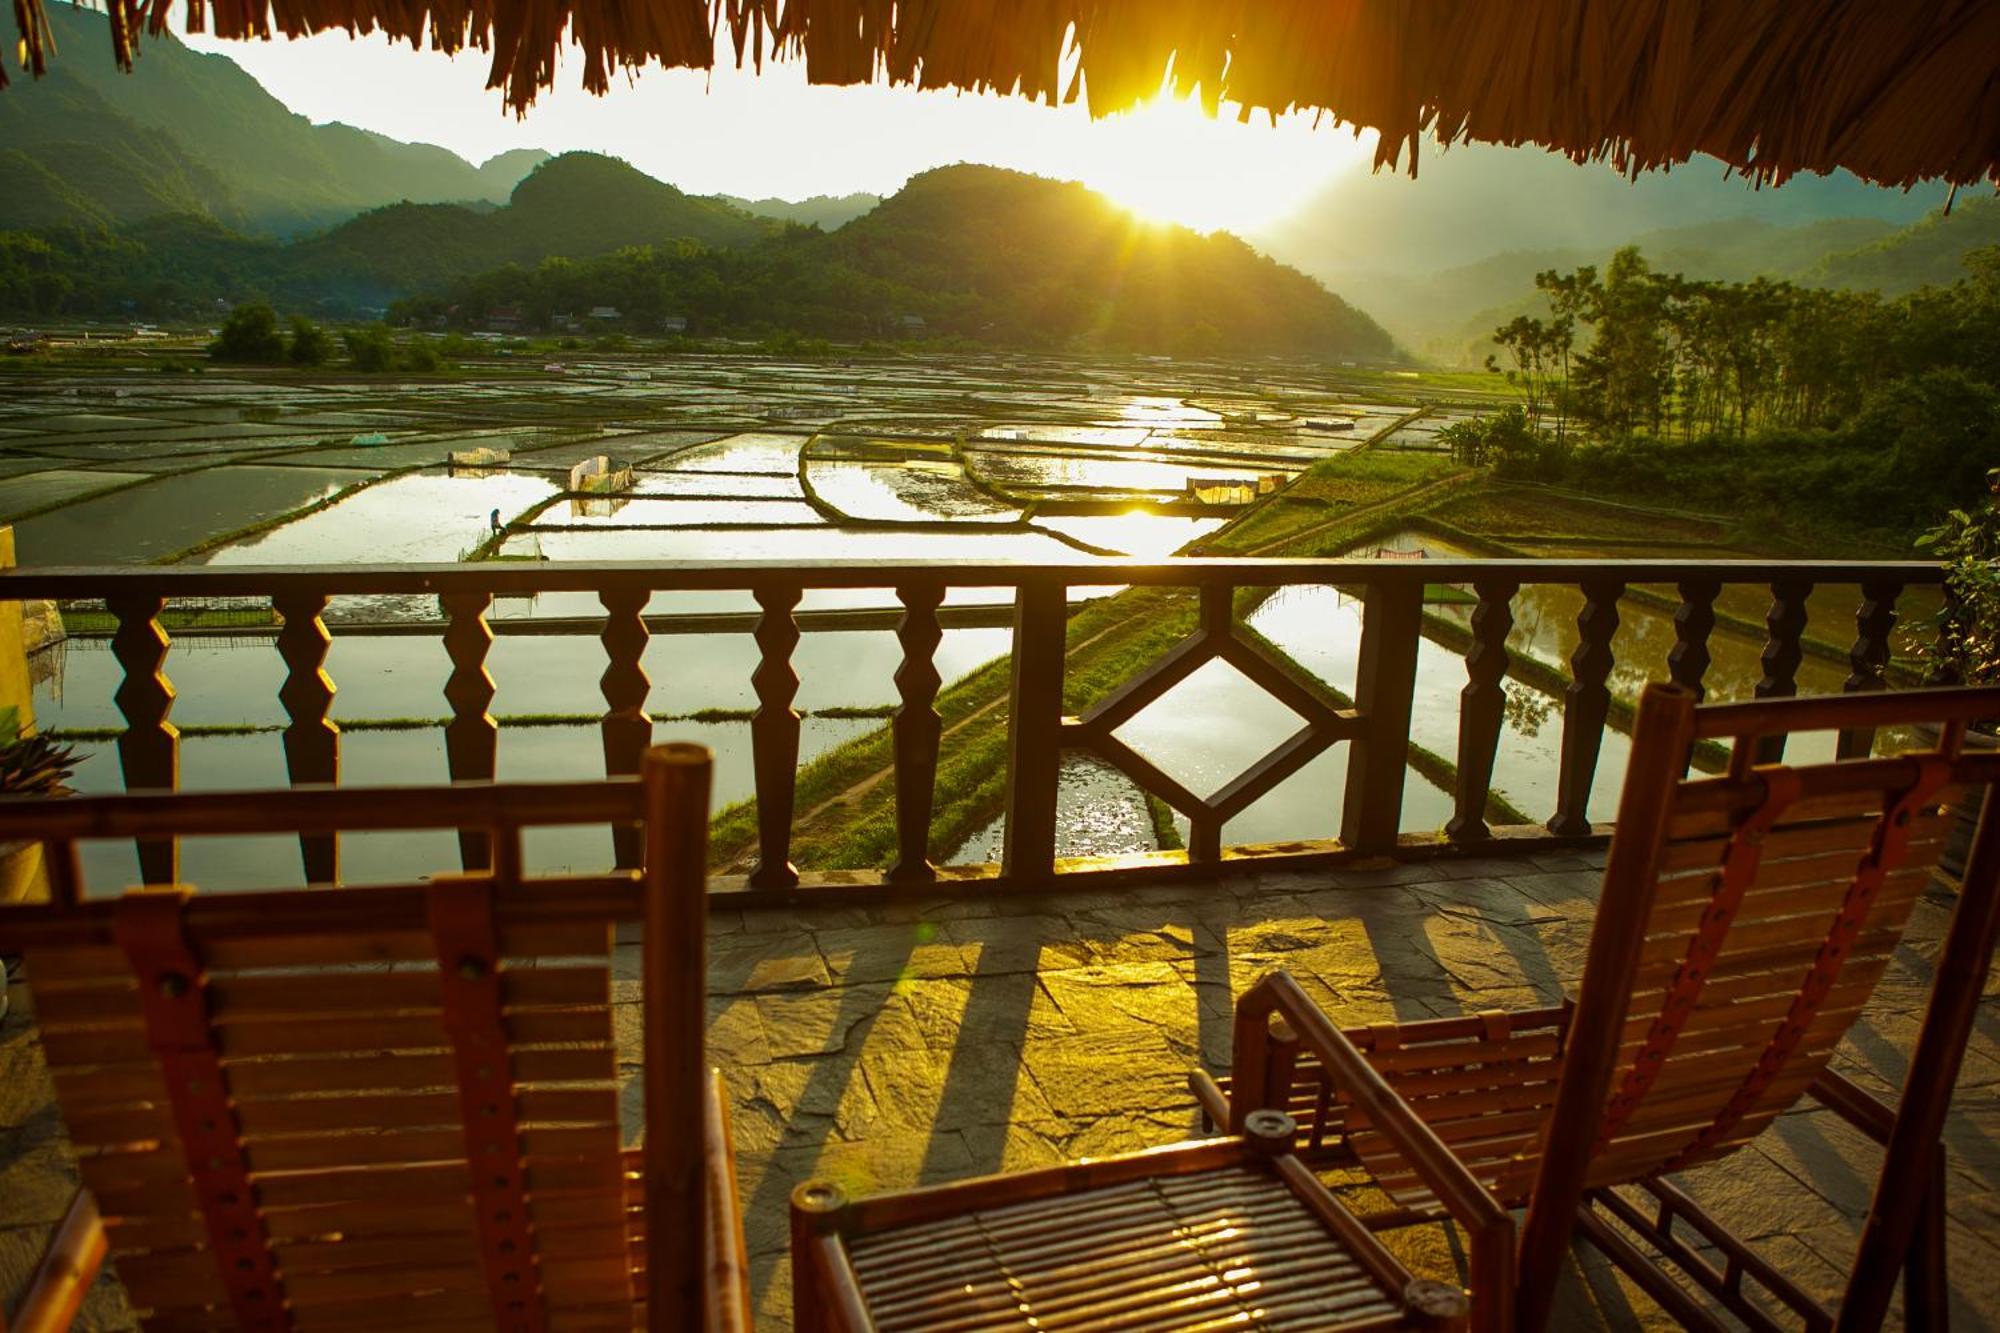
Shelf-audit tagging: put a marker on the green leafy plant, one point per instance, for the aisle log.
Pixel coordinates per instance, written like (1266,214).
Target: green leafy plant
(32,765)
(1967,641)
(250,335)
(310,344)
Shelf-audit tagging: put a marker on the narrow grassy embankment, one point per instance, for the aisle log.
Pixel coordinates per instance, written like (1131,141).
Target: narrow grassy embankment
(845,798)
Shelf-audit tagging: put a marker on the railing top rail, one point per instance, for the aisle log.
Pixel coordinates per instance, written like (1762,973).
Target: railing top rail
(749,575)
(313,809)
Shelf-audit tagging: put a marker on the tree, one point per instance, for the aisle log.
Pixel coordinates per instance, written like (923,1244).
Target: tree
(250,335)
(370,349)
(310,345)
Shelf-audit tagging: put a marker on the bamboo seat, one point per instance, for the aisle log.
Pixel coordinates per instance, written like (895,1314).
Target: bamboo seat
(1744,923)
(1231,1233)
(391,1107)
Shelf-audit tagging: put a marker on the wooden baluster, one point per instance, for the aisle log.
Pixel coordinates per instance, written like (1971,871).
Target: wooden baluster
(1694,621)
(917,731)
(627,727)
(1482,706)
(1785,624)
(1874,621)
(1034,731)
(774,738)
(472,737)
(1385,681)
(149,749)
(312,741)
(1586,705)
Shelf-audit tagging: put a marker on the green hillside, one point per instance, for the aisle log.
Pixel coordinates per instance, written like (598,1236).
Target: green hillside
(973,252)
(182,264)
(570,207)
(1045,260)
(193,133)
(1930,252)
(970,252)
(1446,316)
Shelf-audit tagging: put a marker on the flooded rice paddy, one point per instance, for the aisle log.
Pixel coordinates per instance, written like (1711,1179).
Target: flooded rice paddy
(739,459)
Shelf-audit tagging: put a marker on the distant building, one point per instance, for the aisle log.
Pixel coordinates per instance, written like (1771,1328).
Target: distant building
(911,323)
(605,312)
(673,324)
(505,319)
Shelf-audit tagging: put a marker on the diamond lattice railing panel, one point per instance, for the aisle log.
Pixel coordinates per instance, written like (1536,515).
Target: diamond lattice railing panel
(1148,728)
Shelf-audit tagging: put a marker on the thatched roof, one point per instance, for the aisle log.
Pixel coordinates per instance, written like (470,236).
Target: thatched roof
(1896,91)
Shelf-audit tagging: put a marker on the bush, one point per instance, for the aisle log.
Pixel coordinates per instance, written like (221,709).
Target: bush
(250,335)
(1942,427)
(370,349)
(1508,443)
(374,351)
(310,345)
(422,357)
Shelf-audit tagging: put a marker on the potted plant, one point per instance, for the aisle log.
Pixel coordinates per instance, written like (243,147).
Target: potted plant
(1965,644)
(29,766)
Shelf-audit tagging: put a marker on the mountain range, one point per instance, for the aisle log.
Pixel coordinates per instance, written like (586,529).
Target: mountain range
(1434,257)
(193,134)
(825,211)
(185,183)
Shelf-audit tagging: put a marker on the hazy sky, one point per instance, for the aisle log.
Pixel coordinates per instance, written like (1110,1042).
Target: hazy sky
(737,133)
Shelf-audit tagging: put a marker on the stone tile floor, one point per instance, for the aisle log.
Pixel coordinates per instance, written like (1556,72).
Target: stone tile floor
(888,1047)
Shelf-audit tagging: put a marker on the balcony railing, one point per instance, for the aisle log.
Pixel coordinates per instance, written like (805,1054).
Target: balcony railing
(1375,723)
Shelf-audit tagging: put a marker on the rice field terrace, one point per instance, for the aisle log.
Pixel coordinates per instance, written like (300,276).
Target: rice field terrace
(734,457)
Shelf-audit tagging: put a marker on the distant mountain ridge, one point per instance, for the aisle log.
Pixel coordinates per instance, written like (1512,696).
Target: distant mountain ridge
(192,133)
(825,211)
(1428,255)
(1466,304)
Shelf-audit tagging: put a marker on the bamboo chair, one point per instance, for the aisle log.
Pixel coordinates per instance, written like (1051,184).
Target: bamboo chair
(1227,1233)
(1744,922)
(387,1107)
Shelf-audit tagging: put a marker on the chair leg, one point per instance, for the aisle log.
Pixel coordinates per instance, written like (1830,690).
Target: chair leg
(1926,1288)
(809,1314)
(70,1264)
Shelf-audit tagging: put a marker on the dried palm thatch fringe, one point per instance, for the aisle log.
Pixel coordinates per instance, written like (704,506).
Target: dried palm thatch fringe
(1895,91)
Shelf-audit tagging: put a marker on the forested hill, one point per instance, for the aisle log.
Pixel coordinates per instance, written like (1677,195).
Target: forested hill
(1046,259)
(976,252)
(571,207)
(180,266)
(1930,252)
(187,133)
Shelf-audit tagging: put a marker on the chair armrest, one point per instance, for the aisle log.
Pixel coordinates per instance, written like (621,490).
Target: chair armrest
(728,1268)
(1468,1201)
(69,1265)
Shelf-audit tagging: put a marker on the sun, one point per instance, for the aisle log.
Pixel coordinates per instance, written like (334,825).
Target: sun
(1169,161)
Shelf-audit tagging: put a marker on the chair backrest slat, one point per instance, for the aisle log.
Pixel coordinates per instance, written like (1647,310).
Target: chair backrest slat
(1744,924)
(1736,953)
(423,1079)
(1779,895)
